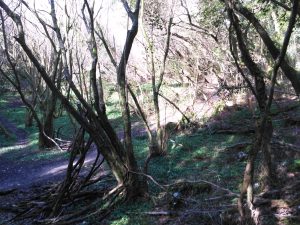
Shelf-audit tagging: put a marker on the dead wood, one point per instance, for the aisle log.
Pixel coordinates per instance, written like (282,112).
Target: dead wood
(220,197)
(95,180)
(238,146)
(208,185)
(192,211)
(235,131)
(191,188)
(284,217)
(285,146)
(111,199)
(206,182)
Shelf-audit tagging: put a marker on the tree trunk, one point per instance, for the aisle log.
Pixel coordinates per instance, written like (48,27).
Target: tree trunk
(28,118)
(98,127)
(266,167)
(292,74)
(264,130)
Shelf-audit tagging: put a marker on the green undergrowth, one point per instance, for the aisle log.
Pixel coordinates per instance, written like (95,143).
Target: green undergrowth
(6,141)
(65,126)
(9,148)
(193,157)
(189,157)
(131,214)
(295,165)
(113,110)
(16,115)
(199,156)
(114,114)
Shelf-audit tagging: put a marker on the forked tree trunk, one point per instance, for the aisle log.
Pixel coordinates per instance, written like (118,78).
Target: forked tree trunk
(28,118)
(46,133)
(264,129)
(291,73)
(97,126)
(263,137)
(117,158)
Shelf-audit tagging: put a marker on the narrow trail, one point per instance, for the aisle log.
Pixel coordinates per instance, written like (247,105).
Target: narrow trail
(20,134)
(18,166)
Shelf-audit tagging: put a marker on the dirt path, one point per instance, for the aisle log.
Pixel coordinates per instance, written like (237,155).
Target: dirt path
(20,169)
(20,166)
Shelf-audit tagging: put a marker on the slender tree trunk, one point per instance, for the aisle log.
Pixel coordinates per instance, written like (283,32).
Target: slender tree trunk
(263,131)
(28,118)
(291,73)
(121,160)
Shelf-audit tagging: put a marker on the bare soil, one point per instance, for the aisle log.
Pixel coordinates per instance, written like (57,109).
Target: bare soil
(21,175)
(18,170)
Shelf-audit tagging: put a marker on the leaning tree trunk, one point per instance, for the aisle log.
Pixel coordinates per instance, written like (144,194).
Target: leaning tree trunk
(291,73)
(263,130)
(97,125)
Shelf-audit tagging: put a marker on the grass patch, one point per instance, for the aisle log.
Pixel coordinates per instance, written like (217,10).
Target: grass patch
(131,214)
(114,114)
(190,158)
(16,115)
(189,154)
(244,114)
(295,166)
(4,141)
(65,127)
(14,151)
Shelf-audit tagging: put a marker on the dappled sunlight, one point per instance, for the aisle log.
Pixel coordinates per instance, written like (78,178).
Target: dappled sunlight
(46,155)
(184,121)
(62,167)
(7,149)
(56,170)
(122,221)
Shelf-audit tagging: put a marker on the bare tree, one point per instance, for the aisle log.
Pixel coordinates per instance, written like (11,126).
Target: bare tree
(291,73)
(121,160)
(264,129)
(47,103)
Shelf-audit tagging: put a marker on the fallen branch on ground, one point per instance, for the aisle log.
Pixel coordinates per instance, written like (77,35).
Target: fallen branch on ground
(172,213)
(235,131)
(207,182)
(238,146)
(164,187)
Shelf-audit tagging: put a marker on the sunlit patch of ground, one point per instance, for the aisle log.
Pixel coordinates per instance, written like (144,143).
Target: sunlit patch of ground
(19,146)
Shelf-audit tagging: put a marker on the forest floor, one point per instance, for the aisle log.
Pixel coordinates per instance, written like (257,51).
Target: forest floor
(24,169)
(202,170)
(23,166)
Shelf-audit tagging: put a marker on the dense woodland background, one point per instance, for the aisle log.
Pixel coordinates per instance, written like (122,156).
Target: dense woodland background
(150,112)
